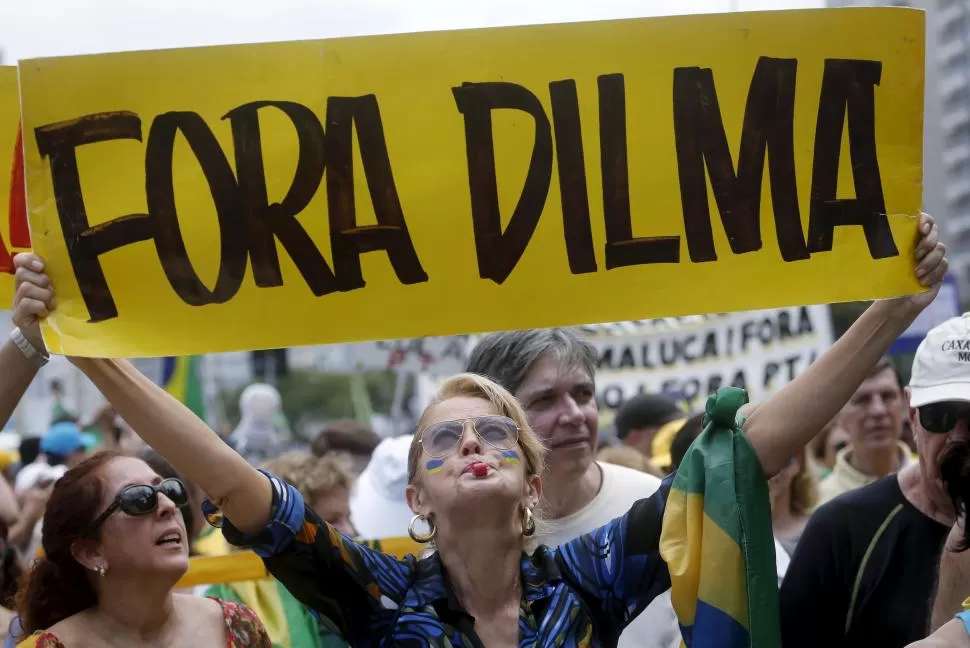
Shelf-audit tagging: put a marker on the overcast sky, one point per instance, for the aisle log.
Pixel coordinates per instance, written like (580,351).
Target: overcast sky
(31,28)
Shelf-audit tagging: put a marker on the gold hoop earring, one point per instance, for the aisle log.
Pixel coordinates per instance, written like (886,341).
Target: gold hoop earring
(422,539)
(530,523)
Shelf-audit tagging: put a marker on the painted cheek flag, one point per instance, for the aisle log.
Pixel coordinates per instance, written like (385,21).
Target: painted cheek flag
(181,379)
(717,539)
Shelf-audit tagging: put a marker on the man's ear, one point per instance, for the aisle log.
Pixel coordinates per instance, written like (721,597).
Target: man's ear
(910,412)
(88,554)
(631,438)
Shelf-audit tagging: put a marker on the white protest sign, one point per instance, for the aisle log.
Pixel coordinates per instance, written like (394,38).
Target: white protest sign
(760,351)
(688,357)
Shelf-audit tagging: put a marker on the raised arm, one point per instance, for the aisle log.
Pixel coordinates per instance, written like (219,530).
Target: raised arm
(781,426)
(16,373)
(243,494)
(187,443)
(18,366)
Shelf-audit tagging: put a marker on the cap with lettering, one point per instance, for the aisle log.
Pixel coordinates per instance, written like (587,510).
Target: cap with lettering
(941,368)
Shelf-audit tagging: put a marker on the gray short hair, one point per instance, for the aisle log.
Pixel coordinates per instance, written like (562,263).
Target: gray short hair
(506,357)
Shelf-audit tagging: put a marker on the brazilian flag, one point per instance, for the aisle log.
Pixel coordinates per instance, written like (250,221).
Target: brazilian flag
(181,378)
(717,539)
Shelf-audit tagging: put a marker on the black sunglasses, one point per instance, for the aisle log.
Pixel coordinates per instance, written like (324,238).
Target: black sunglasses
(941,418)
(142,499)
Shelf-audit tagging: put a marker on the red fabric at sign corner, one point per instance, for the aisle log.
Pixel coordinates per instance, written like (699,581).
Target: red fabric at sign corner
(19,232)
(6,263)
(16,209)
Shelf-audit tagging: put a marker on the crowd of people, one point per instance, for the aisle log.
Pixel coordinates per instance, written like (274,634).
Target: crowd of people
(527,529)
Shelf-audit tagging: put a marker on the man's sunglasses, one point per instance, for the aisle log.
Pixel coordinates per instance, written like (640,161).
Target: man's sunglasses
(440,439)
(941,418)
(142,499)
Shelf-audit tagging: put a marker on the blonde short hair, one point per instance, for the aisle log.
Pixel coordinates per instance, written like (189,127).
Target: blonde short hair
(475,386)
(311,475)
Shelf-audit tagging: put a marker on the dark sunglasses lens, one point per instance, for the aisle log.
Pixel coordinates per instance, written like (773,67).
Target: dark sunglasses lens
(138,500)
(938,417)
(175,491)
(440,438)
(497,431)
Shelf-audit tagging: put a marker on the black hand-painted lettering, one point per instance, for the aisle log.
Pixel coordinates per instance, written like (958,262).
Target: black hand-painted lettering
(710,346)
(622,249)
(805,326)
(160,192)
(848,88)
(347,239)
(784,326)
(768,129)
(771,370)
(264,221)
(739,380)
(498,251)
(605,359)
(84,243)
(626,359)
(572,177)
(714,383)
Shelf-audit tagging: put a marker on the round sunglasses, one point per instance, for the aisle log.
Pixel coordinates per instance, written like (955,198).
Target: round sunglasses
(142,499)
(940,418)
(442,438)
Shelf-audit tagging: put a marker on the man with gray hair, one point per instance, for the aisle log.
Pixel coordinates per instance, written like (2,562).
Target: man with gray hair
(552,374)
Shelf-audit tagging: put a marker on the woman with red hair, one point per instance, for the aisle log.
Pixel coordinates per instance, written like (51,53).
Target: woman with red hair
(115,546)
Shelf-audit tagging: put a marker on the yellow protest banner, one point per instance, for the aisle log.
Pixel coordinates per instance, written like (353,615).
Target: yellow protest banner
(246,565)
(14,235)
(256,196)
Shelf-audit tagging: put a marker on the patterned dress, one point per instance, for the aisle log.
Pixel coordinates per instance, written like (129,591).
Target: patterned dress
(243,630)
(582,593)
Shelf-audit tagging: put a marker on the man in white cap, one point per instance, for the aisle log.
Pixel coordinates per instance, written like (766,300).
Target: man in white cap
(864,572)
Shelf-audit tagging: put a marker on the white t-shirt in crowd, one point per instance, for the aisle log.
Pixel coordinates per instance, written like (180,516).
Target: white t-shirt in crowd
(656,627)
(782,560)
(34,473)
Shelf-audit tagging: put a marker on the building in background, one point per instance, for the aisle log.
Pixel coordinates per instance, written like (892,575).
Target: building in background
(946,130)
(953,58)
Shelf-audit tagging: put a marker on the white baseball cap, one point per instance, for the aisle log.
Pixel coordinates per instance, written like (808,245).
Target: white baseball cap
(941,368)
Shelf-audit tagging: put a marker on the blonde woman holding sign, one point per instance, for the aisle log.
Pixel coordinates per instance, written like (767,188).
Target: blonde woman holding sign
(474,487)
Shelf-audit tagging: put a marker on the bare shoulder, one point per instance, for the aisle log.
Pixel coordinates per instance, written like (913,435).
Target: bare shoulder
(199,609)
(72,629)
(200,618)
(952,634)
(213,622)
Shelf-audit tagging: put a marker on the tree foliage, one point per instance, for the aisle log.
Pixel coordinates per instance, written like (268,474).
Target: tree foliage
(312,395)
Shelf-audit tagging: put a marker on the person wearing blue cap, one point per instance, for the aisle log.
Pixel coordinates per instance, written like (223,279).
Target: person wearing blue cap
(65,444)
(61,448)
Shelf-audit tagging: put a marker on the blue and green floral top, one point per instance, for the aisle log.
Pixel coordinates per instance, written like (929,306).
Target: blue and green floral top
(582,593)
